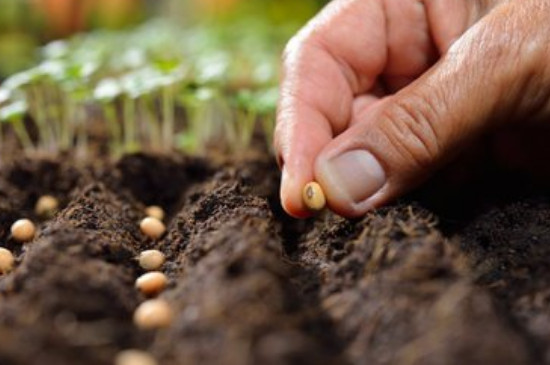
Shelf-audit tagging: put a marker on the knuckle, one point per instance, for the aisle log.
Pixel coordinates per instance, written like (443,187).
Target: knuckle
(291,48)
(409,126)
(294,49)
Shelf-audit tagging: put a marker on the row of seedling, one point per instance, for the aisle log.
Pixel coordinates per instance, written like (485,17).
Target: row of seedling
(175,90)
(144,110)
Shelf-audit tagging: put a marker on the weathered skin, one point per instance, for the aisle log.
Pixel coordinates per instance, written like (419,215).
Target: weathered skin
(413,83)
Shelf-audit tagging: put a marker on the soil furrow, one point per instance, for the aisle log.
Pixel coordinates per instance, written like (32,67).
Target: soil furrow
(247,284)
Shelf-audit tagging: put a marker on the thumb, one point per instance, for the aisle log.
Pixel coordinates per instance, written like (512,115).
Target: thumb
(390,148)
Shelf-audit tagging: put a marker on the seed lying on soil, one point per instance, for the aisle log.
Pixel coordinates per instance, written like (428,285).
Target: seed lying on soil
(46,206)
(155,211)
(6,261)
(151,259)
(152,227)
(134,357)
(23,230)
(313,196)
(154,313)
(151,283)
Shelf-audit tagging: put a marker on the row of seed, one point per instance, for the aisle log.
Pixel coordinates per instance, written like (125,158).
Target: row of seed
(151,314)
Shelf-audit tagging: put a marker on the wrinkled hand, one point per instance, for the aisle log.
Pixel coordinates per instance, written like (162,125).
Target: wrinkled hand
(378,94)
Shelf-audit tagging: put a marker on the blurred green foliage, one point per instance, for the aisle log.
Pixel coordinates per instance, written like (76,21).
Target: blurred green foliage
(222,79)
(24,24)
(17,43)
(208,76)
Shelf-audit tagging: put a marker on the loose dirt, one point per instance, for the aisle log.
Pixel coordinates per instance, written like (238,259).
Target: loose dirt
(440,277)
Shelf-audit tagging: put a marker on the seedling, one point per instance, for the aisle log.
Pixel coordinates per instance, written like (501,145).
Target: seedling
(135,357)
(6,261)
(172,73)
(153,314)
(106,93)
(13,114)
(151,283)
(23,230)
(46,206)
(151,260)
(155,211)
(152,227)
(313,197)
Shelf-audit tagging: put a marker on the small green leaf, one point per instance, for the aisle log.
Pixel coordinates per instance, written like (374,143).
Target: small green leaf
(55,50)
(107,90)
(5,95)
(13,111)
(19,80)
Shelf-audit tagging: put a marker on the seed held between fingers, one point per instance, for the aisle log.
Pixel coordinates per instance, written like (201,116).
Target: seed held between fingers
(152,227)
(151,260)
(6,261)
(151,283)
(23,230)
(134,357)
(46,206)
(153,313)
(314,197)
(155,211)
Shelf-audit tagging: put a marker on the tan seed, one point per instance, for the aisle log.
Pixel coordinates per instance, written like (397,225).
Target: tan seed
(151,259)
(313,196)
(153,313)
(152,227)
(134,357)
(151,283)
(23,230)
(6,261)
(155,211)
(46,206)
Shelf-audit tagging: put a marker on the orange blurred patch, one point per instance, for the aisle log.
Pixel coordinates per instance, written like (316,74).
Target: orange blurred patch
(63,17)
(217,6)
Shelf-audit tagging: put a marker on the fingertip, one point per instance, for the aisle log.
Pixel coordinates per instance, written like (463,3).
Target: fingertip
(291,195)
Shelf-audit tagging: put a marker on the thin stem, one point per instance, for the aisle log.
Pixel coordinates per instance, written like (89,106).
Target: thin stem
(168,111)
(129,125)
(52,108)
(248,125)
(22,134)
(151,121)
(1,135)
(82,133)
(57,111)
(113,125)
(67,125)
(45,133)
(268,124)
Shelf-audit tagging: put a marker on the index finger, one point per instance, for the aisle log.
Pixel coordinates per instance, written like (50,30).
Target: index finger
(337,56)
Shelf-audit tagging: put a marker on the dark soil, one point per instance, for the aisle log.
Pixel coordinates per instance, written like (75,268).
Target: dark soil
(436,278)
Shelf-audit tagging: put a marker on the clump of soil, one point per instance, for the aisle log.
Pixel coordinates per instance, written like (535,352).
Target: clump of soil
(250,285)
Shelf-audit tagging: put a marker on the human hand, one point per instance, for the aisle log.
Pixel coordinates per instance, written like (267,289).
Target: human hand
(378,94)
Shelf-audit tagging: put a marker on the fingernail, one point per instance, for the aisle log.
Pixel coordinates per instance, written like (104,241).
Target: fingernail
(352,176)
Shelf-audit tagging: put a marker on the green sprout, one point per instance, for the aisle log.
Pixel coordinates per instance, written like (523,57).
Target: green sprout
(77,93)
(253,107)
(14,114)
(266,106)
(106,93)
(200,105)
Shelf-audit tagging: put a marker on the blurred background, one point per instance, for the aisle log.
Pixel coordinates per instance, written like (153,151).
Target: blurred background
(26,24)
